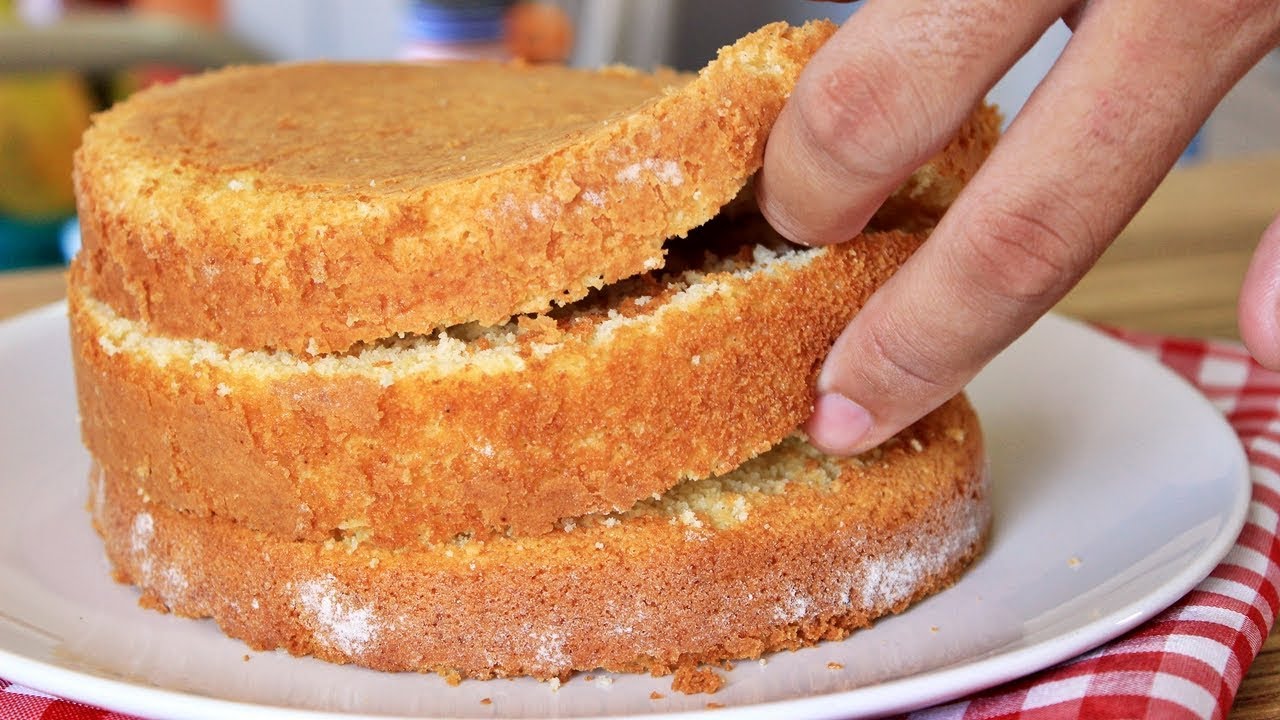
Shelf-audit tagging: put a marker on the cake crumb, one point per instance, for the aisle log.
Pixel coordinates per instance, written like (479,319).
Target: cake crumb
(763,662)
(246,658)
(1073,562)
(714,705)
(933,628)
(690,518)
(834,666)
(692,680)
(655,695)
(486,701)
(554,684)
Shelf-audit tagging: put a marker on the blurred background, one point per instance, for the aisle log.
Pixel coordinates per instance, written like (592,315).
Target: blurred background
(61,60)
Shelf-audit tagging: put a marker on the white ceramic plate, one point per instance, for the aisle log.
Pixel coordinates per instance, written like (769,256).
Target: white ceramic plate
(1117,488)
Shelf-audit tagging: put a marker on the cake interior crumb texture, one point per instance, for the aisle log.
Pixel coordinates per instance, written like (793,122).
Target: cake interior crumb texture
(678,374)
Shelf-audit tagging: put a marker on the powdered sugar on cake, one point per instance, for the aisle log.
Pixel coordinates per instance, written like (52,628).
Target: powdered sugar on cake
(794,607)
(666,171)
(890,580)
(340,620)
(140,534)
(168,582)
(550,651)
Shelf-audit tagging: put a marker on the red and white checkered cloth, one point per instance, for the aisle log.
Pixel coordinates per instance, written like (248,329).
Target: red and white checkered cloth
(1186,662)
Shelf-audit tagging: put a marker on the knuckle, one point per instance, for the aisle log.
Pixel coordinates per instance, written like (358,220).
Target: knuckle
(897,94)
(904,362)
(860,115)
(1029,254)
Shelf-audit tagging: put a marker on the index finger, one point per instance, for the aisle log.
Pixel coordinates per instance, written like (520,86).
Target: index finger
(1089,147)
(883,95)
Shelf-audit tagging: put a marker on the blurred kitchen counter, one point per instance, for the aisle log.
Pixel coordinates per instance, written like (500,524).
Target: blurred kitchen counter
(1176,269)
(25,289)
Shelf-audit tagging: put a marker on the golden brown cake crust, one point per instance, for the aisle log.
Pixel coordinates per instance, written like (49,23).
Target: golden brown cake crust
(311,207)
(649,592)
(692,386)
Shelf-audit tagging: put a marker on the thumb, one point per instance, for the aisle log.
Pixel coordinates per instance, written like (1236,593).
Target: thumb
(1259,312)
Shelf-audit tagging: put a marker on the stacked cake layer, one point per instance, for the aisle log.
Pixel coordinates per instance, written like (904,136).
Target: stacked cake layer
(449,368)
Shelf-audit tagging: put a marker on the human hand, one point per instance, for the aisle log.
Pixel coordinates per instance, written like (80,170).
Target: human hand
(1136,81)
(1259,313)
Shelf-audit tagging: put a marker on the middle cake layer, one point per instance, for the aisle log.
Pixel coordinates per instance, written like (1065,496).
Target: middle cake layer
(480,430)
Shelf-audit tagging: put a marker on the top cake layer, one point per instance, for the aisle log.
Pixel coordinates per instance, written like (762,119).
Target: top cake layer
(376,130)
(312,207)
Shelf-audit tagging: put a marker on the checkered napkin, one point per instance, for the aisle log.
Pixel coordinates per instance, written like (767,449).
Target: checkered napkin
(1186,662)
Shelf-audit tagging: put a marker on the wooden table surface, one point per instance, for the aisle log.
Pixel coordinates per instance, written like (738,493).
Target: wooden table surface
(1175,269)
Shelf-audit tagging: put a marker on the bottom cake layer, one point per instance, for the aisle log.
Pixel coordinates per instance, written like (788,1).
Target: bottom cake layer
(790,549)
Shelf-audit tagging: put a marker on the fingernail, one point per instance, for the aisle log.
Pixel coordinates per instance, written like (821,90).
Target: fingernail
(838,425)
